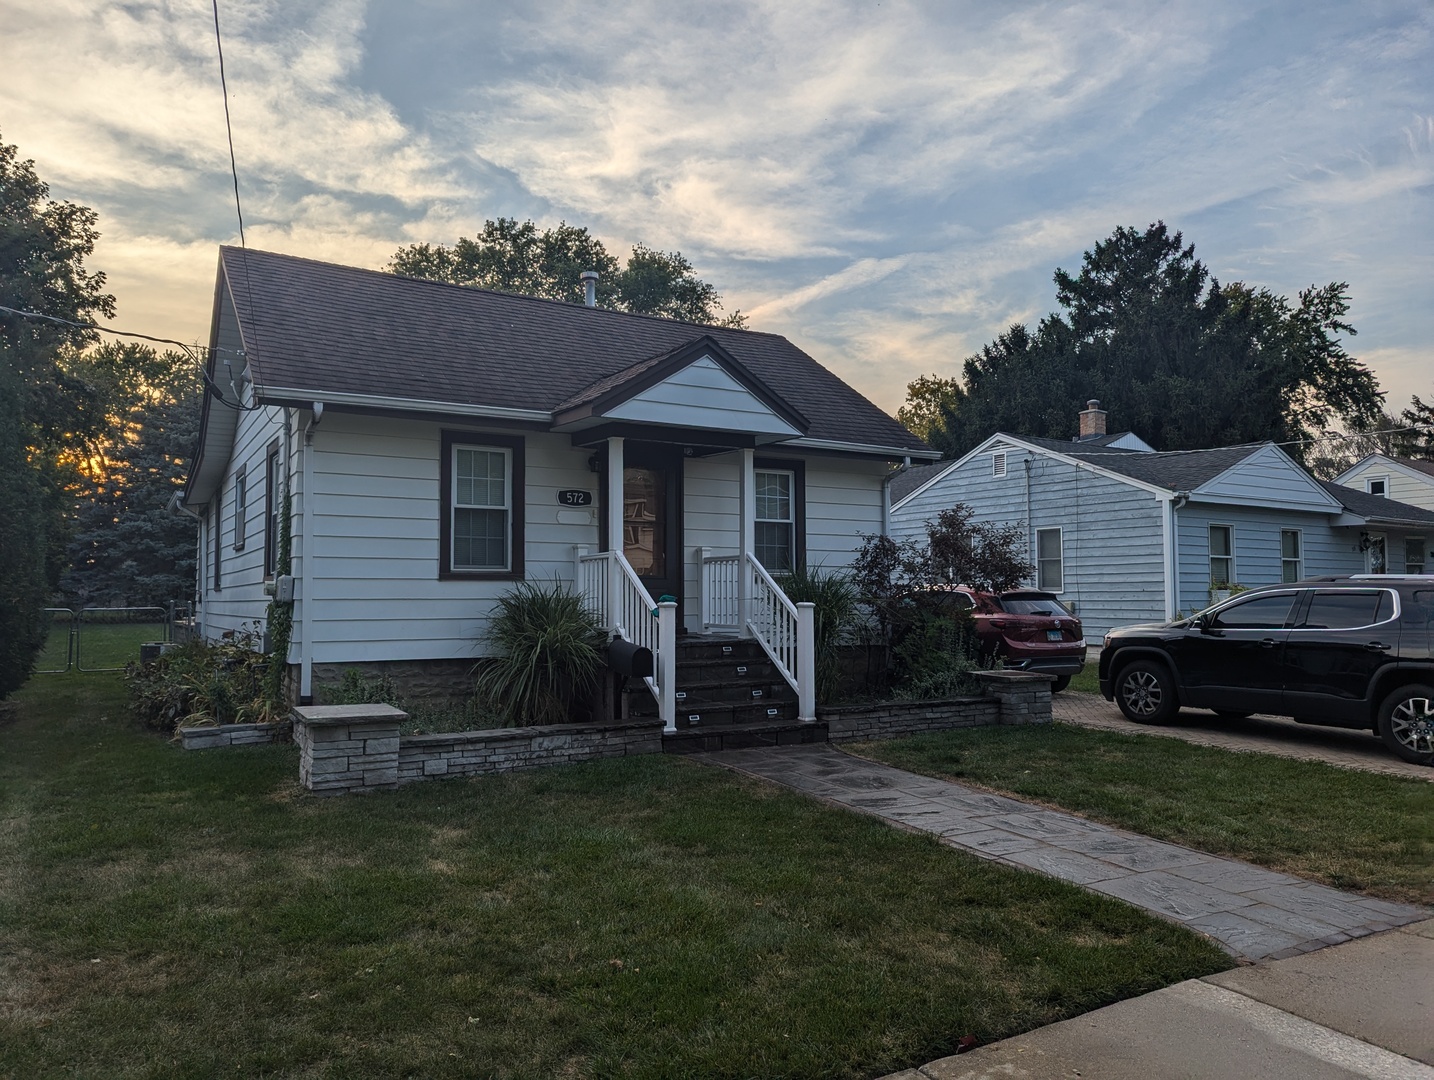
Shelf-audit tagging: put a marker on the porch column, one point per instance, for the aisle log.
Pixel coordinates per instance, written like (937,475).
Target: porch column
(746,517)
(614,527)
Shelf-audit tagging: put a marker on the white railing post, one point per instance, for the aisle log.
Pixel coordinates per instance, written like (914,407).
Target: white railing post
(579,581)
(614,526)
(667,665)
(807,663)
(704,587)
(747,523)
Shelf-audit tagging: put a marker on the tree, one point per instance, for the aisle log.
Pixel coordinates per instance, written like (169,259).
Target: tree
(1182,360)
(129,548)
(1418,443)
(521,258)
(46,413)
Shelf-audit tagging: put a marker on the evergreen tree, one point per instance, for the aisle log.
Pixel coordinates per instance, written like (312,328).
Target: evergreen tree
(1419,443)
(1172,354)
(129,548)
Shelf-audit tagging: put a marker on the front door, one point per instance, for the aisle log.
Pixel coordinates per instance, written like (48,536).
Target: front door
(652,517)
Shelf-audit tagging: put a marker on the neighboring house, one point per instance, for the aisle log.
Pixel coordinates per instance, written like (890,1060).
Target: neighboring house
(439,444)
(1127,534)
(1406,479)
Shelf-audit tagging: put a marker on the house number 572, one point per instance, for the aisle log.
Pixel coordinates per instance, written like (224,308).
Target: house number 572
(575,498)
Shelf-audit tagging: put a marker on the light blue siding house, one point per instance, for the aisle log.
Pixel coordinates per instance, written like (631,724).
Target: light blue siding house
(1125,534)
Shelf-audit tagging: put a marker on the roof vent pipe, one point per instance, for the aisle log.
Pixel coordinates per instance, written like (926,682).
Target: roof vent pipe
(589,280)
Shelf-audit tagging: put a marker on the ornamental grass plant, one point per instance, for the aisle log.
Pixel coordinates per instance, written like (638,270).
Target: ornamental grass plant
(546,657)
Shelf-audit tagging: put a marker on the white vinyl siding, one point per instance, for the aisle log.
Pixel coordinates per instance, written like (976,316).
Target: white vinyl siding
(1291,555)
(1050,560)
(482,509)
(1112,562)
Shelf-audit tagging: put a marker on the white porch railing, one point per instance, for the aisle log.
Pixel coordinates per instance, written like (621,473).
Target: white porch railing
(786,631)
(611,589)
(721,591)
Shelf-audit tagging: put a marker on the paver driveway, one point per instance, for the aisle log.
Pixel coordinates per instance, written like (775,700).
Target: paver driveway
(1251,912)
(1262,734)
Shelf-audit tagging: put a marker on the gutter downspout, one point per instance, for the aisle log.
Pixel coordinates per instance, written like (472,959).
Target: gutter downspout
(176,505)
(886,494)
(1171,537)
(1030,525)
(306,533)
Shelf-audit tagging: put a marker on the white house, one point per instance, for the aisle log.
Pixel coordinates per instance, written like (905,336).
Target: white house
(437,444)
(1408,480)
(1125,534)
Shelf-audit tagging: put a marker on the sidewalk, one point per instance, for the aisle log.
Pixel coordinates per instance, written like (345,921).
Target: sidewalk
(1261,734)
(1302,1016)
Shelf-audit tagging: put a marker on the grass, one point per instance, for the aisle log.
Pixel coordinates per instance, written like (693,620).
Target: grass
(1087,682)
(196,915)
(1352,830)
(102,646)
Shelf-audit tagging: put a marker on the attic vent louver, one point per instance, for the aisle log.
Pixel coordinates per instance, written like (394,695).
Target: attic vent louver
(998,463)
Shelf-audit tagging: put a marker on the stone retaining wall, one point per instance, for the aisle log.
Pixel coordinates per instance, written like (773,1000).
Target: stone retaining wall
(1008,697)
(352,748)
(209,738)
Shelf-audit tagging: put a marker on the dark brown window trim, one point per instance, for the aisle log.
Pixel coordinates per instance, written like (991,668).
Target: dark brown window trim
(517,500)
(272,509)
(241,506)
(798,468)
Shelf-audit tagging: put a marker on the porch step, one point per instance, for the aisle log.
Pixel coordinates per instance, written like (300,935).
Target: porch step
(697,647)
(700,740)
(705,712)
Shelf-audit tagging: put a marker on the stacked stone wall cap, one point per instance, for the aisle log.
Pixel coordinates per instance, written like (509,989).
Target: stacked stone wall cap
(333,715)
(998,678)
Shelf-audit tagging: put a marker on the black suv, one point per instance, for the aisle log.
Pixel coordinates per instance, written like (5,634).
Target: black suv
(1350,652)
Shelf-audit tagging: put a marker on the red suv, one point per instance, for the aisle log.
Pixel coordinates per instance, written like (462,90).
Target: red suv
(1029,630)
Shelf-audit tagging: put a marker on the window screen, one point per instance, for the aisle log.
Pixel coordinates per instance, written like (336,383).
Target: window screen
(775,521)
(1050,562)
(1290,555)
(480,508)
(1222,557)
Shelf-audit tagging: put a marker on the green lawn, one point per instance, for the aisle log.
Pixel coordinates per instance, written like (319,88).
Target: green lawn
(101,646)
(1088,681)
(196,915)
(1352,830)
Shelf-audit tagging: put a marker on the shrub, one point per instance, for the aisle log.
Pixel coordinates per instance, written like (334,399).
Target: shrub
(837,614)
(203,682)
(548,655)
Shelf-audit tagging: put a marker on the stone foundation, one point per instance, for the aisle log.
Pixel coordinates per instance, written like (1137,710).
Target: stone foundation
(356,748)
(210,738)
(429,681)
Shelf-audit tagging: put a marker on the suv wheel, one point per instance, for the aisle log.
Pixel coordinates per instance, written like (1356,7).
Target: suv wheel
(1406,723)
(1062,681)
(1145,692)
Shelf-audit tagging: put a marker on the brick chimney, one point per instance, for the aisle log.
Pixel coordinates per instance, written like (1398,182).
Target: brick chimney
(1092,421)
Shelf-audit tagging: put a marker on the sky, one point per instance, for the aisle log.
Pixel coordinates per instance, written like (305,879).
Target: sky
(890,185)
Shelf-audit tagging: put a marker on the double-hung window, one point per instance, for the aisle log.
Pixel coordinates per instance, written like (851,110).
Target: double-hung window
(241,503)
(481,531)
(1414,555)
(1222,555)
(1291,556)
(1050,560)
(776,520)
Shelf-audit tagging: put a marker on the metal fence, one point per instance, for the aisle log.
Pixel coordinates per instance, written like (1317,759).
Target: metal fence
(106,638)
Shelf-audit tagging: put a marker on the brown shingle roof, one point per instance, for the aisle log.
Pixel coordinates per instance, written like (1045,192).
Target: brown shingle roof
(316,327)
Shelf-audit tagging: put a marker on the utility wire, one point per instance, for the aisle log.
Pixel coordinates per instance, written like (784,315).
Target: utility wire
(228,127)
(189,350)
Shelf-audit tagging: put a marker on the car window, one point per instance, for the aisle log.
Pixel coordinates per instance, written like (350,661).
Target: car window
(1032,605)
(957,600)
(1259,613)
(1334,610)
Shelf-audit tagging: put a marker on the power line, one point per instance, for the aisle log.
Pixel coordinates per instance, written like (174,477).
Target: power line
(189,350)
(228,127)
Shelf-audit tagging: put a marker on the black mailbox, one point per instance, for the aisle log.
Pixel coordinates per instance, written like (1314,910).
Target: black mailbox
(628,659)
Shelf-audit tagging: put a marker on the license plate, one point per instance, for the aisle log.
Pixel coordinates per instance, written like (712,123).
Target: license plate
(1054,635)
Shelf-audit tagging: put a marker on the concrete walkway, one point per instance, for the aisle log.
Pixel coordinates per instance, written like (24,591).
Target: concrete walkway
(1345,990)
(1258,734)
(1254,914)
